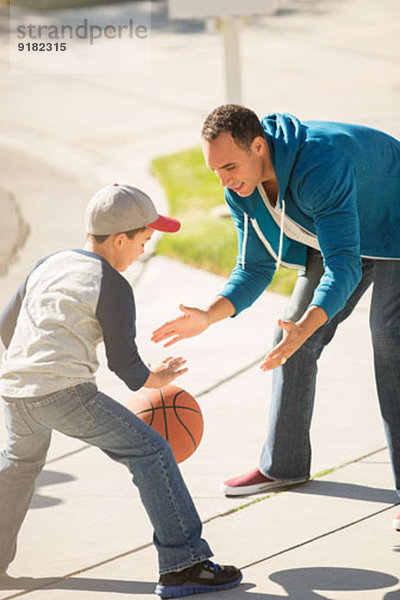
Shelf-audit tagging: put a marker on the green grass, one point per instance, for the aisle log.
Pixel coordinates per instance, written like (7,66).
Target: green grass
(205,241)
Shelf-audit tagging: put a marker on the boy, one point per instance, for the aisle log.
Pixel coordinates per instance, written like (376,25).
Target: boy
(71,301)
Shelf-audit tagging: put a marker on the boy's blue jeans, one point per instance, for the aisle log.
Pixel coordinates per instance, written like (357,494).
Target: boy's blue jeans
(287,451)
(85,413)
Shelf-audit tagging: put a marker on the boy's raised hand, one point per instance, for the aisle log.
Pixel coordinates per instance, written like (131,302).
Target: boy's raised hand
(192,322)
(166,372)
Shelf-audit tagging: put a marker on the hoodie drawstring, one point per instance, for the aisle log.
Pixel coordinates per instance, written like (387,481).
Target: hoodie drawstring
(245,233)
(281,235)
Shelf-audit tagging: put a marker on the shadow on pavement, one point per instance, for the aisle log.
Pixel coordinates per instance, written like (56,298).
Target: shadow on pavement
(303,584)
(307,7)
(394,595)
(298,584)
(117,586)
(347,490)
(306,583)
(46,478)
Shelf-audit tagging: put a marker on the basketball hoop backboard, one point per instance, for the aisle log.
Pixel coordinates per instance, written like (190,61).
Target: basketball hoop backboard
(203,9)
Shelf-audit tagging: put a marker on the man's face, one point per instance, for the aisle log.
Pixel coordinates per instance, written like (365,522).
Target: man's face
(236,168)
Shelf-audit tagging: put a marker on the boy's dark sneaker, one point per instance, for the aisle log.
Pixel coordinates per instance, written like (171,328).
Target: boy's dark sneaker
(200,578)
(396,523)
(254,482)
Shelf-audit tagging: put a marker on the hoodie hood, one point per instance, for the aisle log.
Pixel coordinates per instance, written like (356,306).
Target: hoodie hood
(285,134)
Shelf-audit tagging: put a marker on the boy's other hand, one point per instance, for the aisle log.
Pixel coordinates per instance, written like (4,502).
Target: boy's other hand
(192,322)
(166,372)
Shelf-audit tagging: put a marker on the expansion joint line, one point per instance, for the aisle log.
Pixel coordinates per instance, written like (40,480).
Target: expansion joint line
(319,537)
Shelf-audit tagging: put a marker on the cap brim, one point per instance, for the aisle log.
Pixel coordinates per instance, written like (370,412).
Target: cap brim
(166,224)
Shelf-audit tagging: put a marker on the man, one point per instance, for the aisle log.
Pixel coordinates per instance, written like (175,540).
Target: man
(321,196)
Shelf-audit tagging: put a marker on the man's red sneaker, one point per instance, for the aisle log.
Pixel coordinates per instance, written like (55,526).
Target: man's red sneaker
(254,482)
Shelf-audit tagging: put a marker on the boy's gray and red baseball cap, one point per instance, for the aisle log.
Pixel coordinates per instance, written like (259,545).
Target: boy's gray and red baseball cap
(117,208)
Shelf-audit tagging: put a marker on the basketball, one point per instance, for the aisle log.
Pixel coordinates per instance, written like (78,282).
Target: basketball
(174,414)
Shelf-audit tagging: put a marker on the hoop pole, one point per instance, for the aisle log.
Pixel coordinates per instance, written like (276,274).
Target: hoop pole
(230,29)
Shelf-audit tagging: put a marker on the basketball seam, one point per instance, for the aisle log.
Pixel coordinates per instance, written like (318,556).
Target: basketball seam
(181,422)
(165,415)
(154,408)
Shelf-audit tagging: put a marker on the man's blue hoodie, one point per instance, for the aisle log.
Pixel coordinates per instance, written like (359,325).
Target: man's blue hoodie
(340,182)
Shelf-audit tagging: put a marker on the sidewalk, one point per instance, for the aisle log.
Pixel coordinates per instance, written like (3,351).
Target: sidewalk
(86,536)
(334,531)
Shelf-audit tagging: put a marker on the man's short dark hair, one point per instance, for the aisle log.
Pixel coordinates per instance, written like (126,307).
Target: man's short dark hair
(241,122)
(100,239)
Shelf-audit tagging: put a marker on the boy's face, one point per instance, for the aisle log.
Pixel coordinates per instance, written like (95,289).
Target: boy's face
(129,250)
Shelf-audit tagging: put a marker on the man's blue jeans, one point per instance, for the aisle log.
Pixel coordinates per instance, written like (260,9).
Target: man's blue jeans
(287,451)
(85,413)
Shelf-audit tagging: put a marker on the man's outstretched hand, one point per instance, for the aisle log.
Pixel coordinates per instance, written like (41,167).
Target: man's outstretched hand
(192,322)
(293,338)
